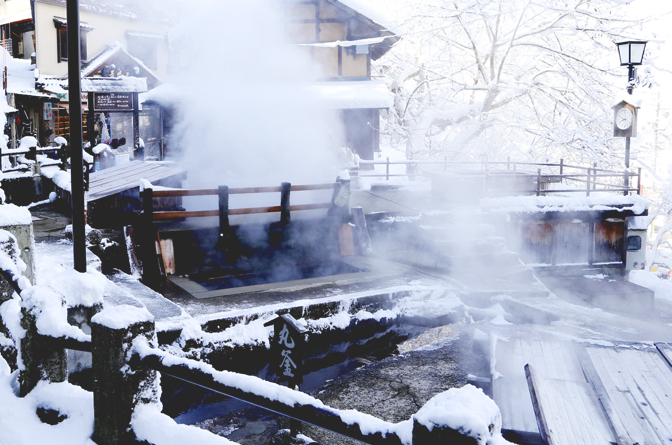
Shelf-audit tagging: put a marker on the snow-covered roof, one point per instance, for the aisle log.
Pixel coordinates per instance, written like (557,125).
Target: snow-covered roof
(145,35)
(116,49)
(346,43)
(133,10)
(544,204)
(21,78)
(375,14)
(353,94)
(114,85)
(639,222)
(19,16)
(60,21)
(634,99)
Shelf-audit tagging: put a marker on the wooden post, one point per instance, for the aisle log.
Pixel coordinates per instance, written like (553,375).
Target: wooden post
(562,165)
(387,169)
(224,226)
(588,182)
(116,391)
(626,183)
(595,176)
(90,123)
(136,125)
(639,181)
(285,189)
(150,264)
(538,182)
(362,234)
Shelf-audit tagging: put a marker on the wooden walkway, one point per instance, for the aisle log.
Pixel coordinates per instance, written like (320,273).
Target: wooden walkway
(127,176)
(559,392)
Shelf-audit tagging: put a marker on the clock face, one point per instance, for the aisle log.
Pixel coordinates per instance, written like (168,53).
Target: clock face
(624,118)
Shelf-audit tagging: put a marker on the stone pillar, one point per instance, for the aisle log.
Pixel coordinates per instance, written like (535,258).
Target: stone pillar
(41,356)
(116,389)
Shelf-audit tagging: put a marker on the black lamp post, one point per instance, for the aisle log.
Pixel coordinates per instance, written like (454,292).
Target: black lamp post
(631,53)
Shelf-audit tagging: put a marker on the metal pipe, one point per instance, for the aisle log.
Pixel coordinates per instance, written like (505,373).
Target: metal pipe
(76,157)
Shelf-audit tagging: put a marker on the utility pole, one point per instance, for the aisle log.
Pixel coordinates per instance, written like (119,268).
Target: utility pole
(76,142)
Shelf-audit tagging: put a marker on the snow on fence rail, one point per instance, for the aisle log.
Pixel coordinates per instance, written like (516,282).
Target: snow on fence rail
(19,152)
(588,175)
(126,362)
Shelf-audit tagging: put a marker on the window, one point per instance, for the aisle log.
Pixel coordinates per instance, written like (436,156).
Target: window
(634,243)
(62,38)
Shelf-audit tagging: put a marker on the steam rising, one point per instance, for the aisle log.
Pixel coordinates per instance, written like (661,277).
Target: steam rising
(247,118)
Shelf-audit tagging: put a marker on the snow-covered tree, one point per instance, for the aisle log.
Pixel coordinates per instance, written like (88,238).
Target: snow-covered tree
(529,79)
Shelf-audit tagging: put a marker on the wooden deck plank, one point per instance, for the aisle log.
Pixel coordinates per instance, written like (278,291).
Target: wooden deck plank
(127,176)
(636,386)
(565,410)
(651,383)
(626,407)
(622,434)
(510,391)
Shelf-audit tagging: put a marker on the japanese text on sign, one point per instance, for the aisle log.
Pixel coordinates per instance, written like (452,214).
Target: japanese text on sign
(113,102)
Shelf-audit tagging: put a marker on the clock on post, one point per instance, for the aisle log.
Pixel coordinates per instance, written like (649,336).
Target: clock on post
(625,120)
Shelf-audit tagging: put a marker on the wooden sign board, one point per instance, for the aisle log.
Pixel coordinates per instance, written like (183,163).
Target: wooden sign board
(287,349)
(113,101)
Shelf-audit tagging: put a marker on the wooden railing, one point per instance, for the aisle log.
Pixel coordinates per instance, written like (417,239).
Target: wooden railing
(595,179)
(337,207)
(17,152)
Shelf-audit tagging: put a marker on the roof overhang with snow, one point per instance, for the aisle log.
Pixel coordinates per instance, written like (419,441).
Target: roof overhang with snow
(344,95)
(20,16)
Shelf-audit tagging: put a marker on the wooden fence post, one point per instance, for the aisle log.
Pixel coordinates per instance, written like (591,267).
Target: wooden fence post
(588,182)
(224,226)
(285,189)
(363,239)
(639,181)
(117,390)
(538,182)
(562,166)
(595,176)
(387,169)
(626,183)
(151,269)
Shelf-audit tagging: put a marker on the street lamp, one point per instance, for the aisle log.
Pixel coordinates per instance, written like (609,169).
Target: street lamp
(631,53)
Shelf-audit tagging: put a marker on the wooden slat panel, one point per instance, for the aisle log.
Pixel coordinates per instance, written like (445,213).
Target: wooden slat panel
(627,424)
(640,376)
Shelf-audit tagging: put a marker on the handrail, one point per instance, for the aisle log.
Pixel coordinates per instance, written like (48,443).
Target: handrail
(287,402)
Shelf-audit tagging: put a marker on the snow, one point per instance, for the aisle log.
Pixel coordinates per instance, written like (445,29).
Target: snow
(50,313)
(374,14)
(650,280)
(121,317)
(12,215)
(19,424)
(62,180)
(80,289)
(467,410)
(151,425)
(347,43)
(542,204)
